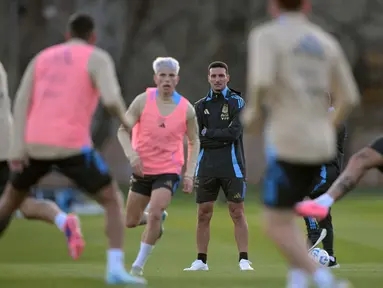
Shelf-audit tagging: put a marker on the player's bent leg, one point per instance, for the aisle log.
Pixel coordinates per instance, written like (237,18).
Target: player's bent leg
(49,212)
(19,186)
(10,201)
(282,229)
(144,219)
(159,201)
(89,171)
(110,198)
(135,207)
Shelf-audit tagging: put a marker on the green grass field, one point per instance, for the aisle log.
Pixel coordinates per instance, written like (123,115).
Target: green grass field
(34,254)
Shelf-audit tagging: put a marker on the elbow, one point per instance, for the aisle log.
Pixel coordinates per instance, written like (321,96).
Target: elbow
(121,135)
(355,101)
(113,103)
(110,105)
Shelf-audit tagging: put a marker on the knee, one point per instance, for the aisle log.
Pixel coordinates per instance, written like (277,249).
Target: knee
(26,210)
(31,207)
(204,215)
(237,213)
(131,222)
(155,215)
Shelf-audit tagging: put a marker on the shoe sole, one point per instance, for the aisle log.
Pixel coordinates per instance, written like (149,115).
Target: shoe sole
(322,235)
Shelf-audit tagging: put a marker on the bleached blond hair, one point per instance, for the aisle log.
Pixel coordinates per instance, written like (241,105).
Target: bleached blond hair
(166,62)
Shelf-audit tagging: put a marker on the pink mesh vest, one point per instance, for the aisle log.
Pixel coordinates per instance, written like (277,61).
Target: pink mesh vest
(64,98)
(159,140)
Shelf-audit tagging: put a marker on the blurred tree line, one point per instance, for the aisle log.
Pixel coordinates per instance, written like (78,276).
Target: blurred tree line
(196,32)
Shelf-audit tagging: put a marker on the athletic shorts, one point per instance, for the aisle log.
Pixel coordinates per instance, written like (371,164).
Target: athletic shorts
(286,184)
(145,185)
(207,189)
(4,175)
(87,170)
(377,145)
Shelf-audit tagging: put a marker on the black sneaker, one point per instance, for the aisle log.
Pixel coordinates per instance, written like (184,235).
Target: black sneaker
(333,263)
(316,237)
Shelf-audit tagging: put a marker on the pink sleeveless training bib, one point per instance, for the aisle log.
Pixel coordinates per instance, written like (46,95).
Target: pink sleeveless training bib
(159,140)
(64,98)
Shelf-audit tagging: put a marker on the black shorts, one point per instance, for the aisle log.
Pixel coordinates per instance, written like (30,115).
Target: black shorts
(286,184)
(207,189)
(4,175)
(327,177)
(377,145)
(87,170)
(145,185)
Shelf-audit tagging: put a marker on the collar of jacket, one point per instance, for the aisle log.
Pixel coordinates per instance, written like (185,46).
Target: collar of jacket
(227,92)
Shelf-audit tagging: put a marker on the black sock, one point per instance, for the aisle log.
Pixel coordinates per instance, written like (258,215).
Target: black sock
(243,255)
(202,257)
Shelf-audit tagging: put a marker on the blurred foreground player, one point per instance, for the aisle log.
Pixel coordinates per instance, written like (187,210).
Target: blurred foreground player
(158,121)
(32,208)
(53,110)
(323,230)
(292,64)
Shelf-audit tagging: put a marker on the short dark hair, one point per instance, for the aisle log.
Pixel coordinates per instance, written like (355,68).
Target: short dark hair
(290,5)
(218,64)
(81,26)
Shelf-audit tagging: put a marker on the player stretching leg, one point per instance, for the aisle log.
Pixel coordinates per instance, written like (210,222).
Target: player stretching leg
(53,112)
(367,158)
(31,208)
(292,64)
(159,119)
(323,230)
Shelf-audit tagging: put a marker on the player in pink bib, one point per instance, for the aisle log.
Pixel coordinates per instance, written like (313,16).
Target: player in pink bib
(53,112)
(159,118)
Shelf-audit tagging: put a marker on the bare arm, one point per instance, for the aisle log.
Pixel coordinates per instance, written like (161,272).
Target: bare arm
(193,142)
(20,111)
(344,89)
(5,107)
(261,75)
(103,73)
(124,133)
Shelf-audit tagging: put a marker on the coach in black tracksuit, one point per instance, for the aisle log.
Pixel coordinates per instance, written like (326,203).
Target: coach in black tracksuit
(221,162)
(329,173)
